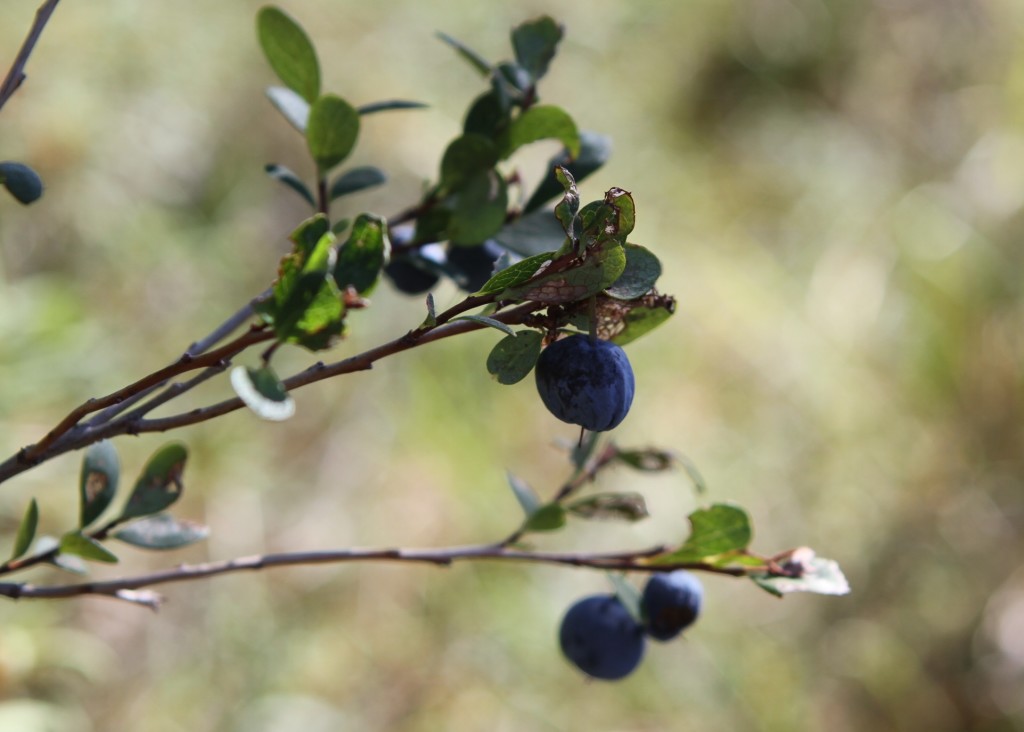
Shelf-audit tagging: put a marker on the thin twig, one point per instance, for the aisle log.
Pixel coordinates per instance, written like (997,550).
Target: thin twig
(223,330)
(16,75)
(45,448)
(620,561)
(64,437)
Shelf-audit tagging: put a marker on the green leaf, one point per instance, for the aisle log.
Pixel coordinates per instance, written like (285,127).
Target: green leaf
(541,122)
(534,43)
(489,322)
(21,181)
(650,460)
(306,307)
(263,392)
(532,234)
(294,108)
(26,530)
(290,179)
(79,545)
(323,321)
(549,517)
(289,51)
(806,572)
(357,179)
(465,158)
(613,506)
(332,131)
(488,115)
(528,499)
(362,256)
(595,150)
(615,216)
(389,105)
(514,356)
(642,270)
(569,206)
(715,530)
(101,471)
(431,319)
(67,562)
(162,531)
(309,234)
(479,209)
(517,273)
(586,277)
(160,484)
(475,60)
(695,476)
(640,321)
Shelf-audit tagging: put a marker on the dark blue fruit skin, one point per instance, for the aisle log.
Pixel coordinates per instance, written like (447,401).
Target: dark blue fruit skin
(474,263)
(671,603)
(408,278)
(601,638)
(586,381)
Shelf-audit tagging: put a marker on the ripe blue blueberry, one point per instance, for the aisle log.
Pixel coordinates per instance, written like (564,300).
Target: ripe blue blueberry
(671,603)
(586,381)
(410,278)
(474,265)
(601,638)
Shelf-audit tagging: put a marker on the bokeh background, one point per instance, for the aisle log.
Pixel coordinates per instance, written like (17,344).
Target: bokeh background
(835,189)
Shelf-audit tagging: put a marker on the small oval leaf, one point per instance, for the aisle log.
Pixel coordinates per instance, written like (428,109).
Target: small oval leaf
(290,179)
(475,59)
(78,544)
(331,131)
(101,471)
(535,42)
(162,531)
(362,256)
(489,322)
(294,108)
(263,393)
(542,122)
(26,530)
(465,158)
(611,506)
(289,51)
(527,497)
(715,530)
(513,358)
(357,179)
(549,517)
(642,270)
(479,210)
(389,105)
(160,484)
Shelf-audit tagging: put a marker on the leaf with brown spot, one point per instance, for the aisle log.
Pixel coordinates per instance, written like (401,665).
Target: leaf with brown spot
(101,471)
(160,484)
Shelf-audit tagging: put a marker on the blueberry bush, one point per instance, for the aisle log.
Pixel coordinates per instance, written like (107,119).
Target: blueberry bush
(557,280)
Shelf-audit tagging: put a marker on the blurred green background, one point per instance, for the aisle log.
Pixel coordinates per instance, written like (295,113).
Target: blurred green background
(835,189)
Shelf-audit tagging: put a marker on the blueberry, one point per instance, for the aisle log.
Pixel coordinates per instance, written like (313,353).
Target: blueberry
(474,265)
(586,381)
(671,603)
(409,277)
(601,638)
